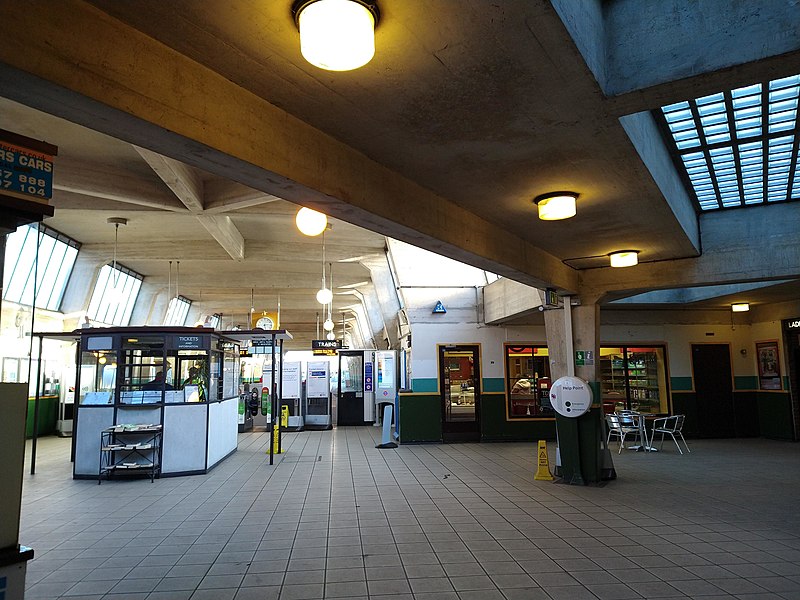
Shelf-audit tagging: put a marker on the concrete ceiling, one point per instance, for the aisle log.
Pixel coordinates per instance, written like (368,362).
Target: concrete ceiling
(467,112)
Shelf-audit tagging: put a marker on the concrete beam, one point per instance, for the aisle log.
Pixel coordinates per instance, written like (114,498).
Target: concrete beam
(184,181)
(739,246)
(103,74)
(103,181)
(223,195)
(224,231)
(504,300)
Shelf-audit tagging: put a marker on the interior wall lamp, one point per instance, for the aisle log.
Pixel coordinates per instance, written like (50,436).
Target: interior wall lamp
(556,205)
(310,222)
(336,35)
(740,307)
(624,258)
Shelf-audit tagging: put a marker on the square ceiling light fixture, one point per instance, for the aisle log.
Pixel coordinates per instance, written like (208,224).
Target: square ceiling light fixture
(624,258)
(740,307)
(336,35)
(556,205)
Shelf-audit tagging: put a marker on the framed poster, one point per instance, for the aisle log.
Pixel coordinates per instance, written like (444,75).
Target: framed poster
(769,367)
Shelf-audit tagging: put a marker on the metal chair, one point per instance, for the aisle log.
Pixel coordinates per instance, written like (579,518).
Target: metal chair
(670,426)
(620,428)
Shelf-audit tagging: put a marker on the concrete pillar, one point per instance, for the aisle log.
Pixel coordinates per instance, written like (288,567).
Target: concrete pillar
(579,438)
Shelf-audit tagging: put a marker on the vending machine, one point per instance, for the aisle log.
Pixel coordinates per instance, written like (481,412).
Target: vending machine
(318,395)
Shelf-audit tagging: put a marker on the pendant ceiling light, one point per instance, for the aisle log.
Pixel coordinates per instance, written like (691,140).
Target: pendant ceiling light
(556,205)
(115,294)
(324,295)
(624,258)
(310,222)
(336,35)
(328,325)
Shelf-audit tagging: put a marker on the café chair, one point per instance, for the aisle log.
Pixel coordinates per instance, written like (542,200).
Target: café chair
(670,426)
(621,429)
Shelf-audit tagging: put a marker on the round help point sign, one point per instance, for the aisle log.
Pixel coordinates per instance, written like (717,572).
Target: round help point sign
(570,396)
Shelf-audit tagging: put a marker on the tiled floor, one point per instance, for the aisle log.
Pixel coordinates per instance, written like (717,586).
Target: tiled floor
(337,518)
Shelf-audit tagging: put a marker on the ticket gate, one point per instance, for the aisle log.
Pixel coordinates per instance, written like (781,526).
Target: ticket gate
(367,379)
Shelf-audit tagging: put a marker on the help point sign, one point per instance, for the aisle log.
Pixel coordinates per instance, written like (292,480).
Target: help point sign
(571,396)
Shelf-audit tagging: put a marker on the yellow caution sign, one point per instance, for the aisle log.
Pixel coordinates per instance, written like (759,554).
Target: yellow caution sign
(543,471)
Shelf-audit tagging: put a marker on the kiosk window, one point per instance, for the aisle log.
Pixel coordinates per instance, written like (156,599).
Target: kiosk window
(527,382)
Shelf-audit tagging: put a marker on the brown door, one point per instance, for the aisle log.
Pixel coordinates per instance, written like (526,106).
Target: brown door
(713,387)
(459,383)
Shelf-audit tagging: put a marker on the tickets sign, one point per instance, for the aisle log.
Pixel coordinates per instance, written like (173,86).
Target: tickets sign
(25,173)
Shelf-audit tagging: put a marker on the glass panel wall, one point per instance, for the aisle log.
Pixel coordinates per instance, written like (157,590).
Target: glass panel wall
(527,381)
(56,256)
(177,311)
(114,295)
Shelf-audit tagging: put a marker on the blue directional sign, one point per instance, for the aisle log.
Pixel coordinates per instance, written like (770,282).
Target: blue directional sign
(439,308)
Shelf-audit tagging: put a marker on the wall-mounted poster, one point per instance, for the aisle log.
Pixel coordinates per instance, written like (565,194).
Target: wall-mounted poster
(769,367)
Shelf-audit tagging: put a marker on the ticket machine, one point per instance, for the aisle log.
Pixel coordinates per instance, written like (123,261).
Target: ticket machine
(318,395)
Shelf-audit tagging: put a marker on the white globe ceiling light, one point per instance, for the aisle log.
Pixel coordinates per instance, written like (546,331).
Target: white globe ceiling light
(556,205)
(328,325)
(624,258)
(310,222)
(331,335)
(324,296)
(336,35)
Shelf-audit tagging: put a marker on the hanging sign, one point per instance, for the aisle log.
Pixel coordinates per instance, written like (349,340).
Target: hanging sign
(26,167)
(189,342)
(439,308)
(325,347)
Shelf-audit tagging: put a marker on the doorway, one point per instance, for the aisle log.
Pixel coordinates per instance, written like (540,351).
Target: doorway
(713,385)
(459,382)
(350,407)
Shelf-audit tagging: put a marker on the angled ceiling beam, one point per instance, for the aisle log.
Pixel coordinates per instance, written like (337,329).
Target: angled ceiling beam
(184,181)
(224,195)
(110,183)
(224,231)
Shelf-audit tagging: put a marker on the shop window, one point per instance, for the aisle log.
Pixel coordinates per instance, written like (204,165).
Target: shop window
(177,311)
(634,378)
(114,295)
(56,257)
(527,381)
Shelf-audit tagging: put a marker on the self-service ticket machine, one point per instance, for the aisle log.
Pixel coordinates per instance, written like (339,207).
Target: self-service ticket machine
(318,395)
(292,394)
(368,379)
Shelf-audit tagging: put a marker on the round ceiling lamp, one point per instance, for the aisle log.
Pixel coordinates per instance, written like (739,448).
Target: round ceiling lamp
(740,307)
(324,296)
(624,258)
(328,325)
(556,205)
(331,335)
(310,222)
(336,35)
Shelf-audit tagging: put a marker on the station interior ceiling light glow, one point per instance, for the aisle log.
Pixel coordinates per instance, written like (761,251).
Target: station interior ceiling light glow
(740,307)
(310,222)
(624,258)
(336,35)
(556,205)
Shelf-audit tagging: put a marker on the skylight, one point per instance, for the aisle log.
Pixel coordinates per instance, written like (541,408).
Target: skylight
(739,148)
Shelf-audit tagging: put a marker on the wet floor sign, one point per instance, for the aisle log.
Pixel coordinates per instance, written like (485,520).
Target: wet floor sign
(543,471)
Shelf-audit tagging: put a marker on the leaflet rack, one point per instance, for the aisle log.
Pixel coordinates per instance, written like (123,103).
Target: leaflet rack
(130,449)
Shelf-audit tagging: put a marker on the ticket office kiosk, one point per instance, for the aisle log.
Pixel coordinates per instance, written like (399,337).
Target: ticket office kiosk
(183,379)
(367,380)
(318,395)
